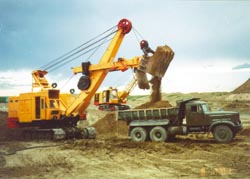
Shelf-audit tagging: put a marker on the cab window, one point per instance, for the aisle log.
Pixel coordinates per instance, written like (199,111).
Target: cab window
(114,94)
(54,104)
(195,108)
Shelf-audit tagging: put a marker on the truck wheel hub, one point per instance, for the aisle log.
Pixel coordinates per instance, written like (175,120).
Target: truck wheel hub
(222,134)
(158,134)
(138,135)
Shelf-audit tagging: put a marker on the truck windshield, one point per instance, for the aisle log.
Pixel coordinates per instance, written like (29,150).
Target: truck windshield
(205,107)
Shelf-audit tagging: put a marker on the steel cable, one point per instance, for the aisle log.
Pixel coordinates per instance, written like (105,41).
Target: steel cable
(55,65)
(73,58)
(70,53)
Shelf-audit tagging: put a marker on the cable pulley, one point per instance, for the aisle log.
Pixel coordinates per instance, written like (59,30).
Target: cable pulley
(84,83)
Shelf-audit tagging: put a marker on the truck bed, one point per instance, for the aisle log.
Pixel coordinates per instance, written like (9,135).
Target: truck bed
(148,114)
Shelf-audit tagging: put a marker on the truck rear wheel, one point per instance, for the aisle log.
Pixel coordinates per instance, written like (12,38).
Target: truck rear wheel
(158,134)
(138,134)
(223,134)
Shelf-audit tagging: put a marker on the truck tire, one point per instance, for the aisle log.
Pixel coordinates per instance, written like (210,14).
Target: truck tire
(158,134)
(138,134)
(223,134)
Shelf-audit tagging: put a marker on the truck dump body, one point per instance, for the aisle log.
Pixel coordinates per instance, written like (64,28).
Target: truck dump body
(170,114)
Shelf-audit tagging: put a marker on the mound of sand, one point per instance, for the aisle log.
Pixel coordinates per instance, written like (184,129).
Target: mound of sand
(158,104)
(109,125)
(244,88)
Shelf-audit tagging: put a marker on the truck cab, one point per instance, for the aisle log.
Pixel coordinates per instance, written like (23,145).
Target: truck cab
(195,113)
(223,124)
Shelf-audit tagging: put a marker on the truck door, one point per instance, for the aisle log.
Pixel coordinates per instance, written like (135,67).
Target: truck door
(195,115)
(43,109)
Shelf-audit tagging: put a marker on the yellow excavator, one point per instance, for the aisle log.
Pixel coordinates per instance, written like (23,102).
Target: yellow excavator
(46,113)
(111,99)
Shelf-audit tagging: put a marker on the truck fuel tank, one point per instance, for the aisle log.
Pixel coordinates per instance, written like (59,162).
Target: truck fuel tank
(178,130)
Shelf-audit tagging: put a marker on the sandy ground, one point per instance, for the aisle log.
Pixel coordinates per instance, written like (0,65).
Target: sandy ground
(113,156)
(118,157)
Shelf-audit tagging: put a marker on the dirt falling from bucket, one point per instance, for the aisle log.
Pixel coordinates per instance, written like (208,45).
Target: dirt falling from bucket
(156,89)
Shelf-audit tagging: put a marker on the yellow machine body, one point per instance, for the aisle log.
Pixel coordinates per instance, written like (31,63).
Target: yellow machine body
(29,107)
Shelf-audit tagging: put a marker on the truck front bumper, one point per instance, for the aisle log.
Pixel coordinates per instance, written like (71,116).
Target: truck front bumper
(238,128)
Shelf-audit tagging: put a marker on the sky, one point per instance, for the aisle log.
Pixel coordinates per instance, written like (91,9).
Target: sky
(210,39)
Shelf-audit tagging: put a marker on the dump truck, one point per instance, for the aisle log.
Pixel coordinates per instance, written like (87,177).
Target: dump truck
(189,116)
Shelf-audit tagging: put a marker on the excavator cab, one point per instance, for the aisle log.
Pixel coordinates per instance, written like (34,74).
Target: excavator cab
(110,96)
(107,100)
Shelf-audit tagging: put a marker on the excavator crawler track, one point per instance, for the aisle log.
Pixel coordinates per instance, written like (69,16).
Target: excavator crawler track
(59,133)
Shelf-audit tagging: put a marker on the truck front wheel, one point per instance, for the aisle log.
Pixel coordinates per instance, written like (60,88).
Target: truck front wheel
(223,134)
(158,134)
(138,134)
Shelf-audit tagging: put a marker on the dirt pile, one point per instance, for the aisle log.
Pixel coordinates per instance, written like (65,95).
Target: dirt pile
(244,88)
(109,125)
(158,104)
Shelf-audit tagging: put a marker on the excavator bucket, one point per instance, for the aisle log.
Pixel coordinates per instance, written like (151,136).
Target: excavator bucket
(142,79)
(156,65)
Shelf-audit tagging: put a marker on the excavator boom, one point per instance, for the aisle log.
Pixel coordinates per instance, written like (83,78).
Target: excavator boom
(94,78)
(125,93)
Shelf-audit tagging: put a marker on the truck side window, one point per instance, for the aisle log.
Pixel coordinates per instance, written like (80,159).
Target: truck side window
(194,109)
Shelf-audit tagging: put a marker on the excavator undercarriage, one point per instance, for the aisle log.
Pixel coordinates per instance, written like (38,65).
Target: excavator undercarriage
(59,133)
